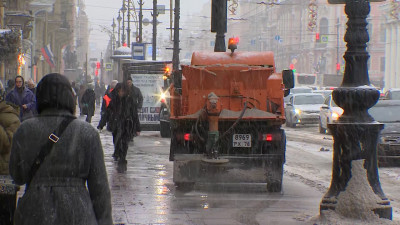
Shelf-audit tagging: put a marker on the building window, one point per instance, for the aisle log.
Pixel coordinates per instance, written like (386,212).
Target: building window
(382,64)
(382,33)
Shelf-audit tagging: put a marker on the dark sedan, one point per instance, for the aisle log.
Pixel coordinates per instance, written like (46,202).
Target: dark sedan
(388,113)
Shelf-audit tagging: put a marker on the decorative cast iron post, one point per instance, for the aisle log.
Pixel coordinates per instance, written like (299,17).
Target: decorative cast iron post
(355,133)
(219,23)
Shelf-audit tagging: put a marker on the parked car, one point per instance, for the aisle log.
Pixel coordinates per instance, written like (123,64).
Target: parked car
(329,112)
(392,94)
(303,109)
(325,93)
(297,90)
(387,112)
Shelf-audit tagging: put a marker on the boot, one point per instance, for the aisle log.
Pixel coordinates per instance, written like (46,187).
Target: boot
(122,166)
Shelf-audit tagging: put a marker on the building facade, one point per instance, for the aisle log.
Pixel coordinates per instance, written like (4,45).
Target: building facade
(391,26)
(307,36)
(54,36)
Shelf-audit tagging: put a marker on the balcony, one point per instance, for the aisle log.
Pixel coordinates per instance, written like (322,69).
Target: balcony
(19,20)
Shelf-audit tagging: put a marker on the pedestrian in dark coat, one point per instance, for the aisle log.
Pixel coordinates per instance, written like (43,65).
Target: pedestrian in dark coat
(106,101)
(9,123)
(88,103)
(98,91)
(22,97)
(122,123)
(82,89)
(70,186)
(136,97)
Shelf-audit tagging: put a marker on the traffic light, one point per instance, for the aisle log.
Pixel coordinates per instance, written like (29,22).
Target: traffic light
(291,66)
(98,65)
(338,66)
(167,71)
(317,37)
(96,72)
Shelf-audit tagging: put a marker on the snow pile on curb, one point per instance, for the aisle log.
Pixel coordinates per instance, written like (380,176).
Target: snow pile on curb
(358,200)
(355,204)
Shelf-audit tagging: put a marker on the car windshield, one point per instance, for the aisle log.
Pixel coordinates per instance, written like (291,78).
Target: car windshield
(300,90)
(386,113)
(308,99)
(306,79)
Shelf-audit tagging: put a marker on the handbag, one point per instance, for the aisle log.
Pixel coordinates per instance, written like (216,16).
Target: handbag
(47,147)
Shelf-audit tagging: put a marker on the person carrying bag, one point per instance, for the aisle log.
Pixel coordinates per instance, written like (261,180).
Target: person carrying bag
(60,159)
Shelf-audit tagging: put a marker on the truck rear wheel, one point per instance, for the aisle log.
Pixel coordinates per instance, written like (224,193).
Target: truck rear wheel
(274,186)
(275,167)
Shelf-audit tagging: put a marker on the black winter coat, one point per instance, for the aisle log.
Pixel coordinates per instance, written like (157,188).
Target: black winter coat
(122,114)
(88,102)
(71,185)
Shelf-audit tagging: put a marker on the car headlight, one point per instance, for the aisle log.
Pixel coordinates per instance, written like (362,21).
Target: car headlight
(335,115)
(297,111)
(382,140)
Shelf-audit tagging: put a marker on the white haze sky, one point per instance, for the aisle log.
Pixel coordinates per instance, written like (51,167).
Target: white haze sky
(101,13)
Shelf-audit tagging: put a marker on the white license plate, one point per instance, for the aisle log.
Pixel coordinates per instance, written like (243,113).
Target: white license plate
(241,141)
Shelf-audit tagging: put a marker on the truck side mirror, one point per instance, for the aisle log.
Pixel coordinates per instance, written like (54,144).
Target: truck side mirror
(288,78)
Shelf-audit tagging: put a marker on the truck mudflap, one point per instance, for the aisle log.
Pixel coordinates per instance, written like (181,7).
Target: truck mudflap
(196,168)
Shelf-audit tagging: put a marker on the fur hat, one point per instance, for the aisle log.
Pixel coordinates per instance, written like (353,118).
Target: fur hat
(54,91)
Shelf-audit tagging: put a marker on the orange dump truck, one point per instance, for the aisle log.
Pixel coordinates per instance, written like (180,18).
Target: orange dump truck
(226,120)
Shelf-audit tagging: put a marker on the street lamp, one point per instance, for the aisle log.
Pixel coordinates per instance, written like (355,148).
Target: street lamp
(119,18)
(123,10)
(113,25)
(356,133)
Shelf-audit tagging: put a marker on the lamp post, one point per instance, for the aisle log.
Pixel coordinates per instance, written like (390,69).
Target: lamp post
(154,46)
(113,25)
(140,20)
(119,18)
(356,133)
(128,30)
(123,10)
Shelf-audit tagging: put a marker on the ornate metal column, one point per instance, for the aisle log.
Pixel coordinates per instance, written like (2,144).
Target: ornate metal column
(355,133)
(219,23)
(119,18)
(123,10)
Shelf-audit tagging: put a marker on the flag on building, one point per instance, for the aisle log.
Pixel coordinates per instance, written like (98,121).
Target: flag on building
(48,55)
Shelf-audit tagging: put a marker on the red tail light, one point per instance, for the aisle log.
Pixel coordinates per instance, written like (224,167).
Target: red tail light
(267,137)
(186,137)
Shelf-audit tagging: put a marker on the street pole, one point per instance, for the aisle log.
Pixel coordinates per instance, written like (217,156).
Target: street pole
(123,9)
(119,28)
(337,46)
(86,69)
(219,23)
(2,66)
(113,36)
(175,56)
(129,23)
(176,74)
(170,18)
(355,133)
(154,46)
(140,20)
